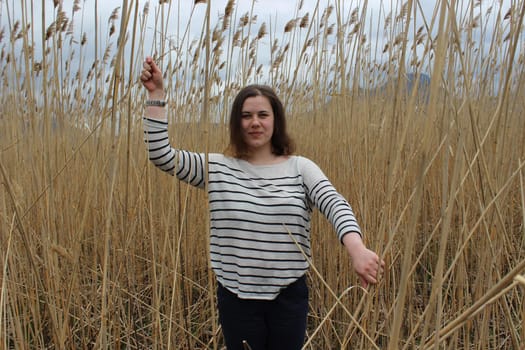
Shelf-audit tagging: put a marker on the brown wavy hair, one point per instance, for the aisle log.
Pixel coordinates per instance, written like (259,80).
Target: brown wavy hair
(282,144)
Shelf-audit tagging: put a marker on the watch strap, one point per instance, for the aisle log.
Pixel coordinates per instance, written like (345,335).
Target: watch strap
(156,103)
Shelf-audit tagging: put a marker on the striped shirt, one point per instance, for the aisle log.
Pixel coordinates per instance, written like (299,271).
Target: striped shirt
(259,214)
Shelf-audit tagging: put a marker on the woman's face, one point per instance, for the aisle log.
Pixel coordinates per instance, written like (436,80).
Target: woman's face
(257,122)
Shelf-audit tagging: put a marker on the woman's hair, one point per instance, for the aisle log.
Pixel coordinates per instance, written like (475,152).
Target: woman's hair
(282,144)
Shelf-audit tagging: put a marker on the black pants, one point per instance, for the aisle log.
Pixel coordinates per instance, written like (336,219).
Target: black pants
(265,324)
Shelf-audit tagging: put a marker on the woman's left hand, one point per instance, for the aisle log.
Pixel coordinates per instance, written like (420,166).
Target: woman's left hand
(367,263)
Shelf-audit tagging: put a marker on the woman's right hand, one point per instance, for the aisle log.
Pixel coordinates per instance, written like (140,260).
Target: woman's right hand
(152,79)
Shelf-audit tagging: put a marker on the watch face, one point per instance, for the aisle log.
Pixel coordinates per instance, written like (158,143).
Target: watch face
(158,103)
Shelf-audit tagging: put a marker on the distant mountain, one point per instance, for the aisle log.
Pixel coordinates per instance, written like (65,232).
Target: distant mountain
(408,84)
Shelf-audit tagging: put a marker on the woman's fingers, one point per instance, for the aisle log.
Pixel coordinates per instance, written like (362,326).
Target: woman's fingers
(375,271)
(145,75)
(146,71)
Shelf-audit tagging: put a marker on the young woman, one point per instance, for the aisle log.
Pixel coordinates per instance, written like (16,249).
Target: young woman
(261,198)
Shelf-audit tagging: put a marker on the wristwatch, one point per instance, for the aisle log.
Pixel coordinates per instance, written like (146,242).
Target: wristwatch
(156,103)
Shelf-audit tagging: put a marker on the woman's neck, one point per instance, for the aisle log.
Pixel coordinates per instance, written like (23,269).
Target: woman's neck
(264,159)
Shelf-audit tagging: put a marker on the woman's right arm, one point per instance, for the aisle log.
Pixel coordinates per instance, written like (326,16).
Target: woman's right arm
(155,119)
(187,166)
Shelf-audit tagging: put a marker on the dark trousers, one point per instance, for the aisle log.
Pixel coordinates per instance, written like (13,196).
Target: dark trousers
(265,324)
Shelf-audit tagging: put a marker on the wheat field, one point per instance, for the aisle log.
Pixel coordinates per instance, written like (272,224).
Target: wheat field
(100,250)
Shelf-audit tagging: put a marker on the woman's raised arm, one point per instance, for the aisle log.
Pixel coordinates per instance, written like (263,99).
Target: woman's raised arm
(152,80)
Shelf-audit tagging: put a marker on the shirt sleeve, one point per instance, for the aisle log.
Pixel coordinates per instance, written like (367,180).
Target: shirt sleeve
(187,166)
(326,198)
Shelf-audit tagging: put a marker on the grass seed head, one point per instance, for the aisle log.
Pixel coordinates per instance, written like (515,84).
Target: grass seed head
(326,14)
(388,20)
(107,53)
(508,15)
(114,14)
(236,40)
(225,23)
(244,20)
(262,31)
(400,38)
(76,6)
(275,45)
(14,31)
(475,22)
(354,16)
(309,42)
(228,10)
(290,25)
(50,31)
(330,30)
(403,13)
(305,21)
(37,67)
(216,35)
(355,29)
(70,29)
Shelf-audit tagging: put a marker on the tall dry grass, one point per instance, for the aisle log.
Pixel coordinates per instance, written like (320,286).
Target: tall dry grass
(101,250)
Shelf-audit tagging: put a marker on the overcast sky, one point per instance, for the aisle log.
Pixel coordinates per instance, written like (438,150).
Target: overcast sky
(276,12)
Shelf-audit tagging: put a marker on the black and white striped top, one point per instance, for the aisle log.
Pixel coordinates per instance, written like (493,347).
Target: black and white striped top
(260,215)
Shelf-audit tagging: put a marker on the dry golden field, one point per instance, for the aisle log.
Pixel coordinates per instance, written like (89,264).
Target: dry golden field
(100,250)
